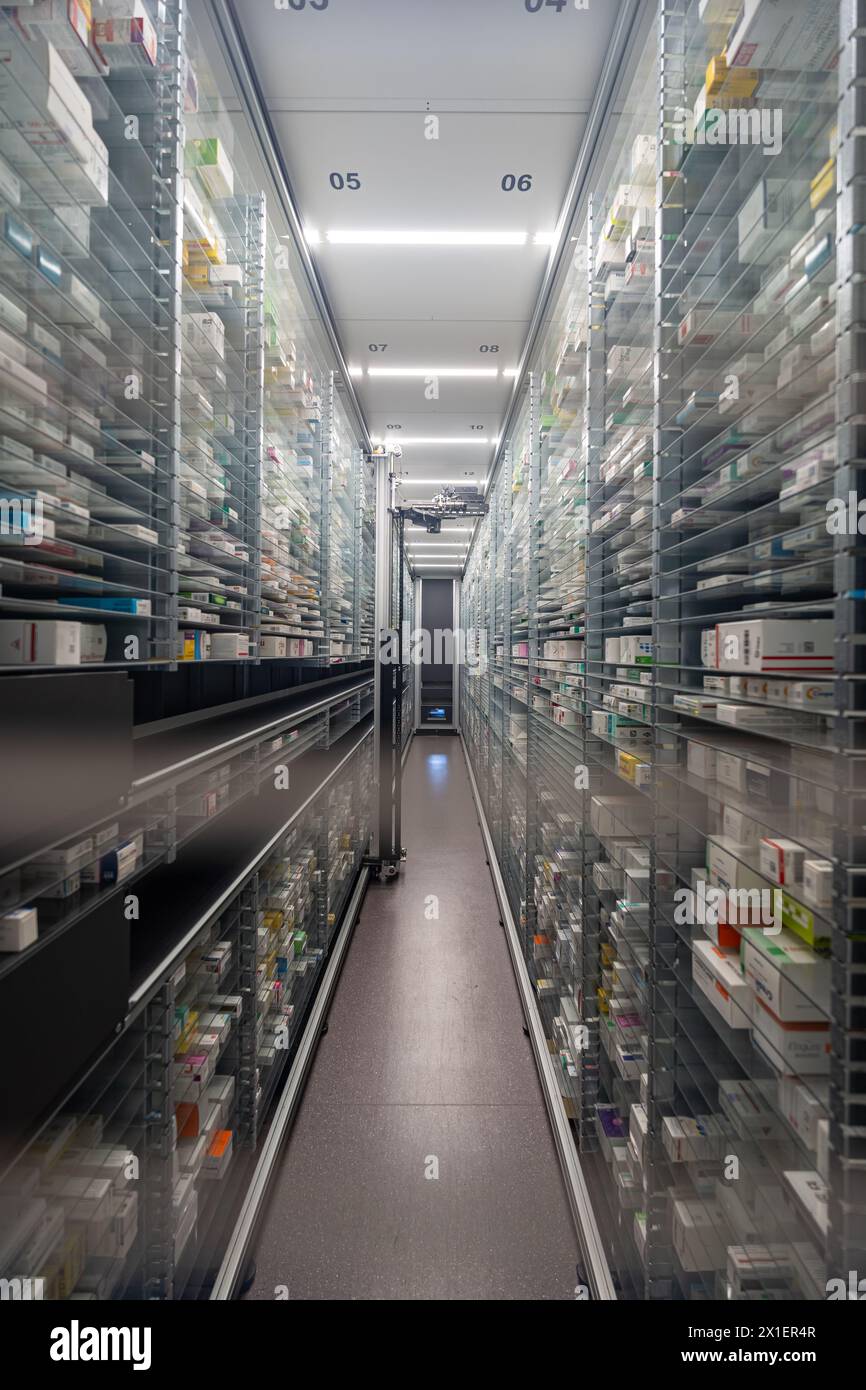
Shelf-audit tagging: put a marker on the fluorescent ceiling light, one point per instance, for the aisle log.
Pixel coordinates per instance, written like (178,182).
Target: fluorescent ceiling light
(434,439)
(356,371)
(432,371)
(312,237)
(431,564)
(544,238)
(421,238)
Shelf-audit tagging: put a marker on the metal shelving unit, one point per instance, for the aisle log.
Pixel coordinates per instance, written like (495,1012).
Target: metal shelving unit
(683,463)
(187,537)
(165,1127)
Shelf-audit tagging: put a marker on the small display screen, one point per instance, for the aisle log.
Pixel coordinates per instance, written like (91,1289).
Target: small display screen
(436,712)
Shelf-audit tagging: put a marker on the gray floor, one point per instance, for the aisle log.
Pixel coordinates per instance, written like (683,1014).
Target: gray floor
(425,1066)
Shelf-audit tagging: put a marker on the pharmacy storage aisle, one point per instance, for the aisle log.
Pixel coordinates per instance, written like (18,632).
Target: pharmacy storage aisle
(421,1164)
(304,308)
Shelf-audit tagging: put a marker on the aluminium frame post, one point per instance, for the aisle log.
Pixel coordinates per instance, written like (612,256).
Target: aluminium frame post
(169,138)
(252,212)
(158,1239)
(249,905)
(358,544)
(846,1240)
(486,618)
(532,666)
(387,677)
(507,476)
(326,455)
(594,618)
(663,1021)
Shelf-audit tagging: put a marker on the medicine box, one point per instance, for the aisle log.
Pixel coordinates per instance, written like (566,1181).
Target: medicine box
(127,39)
(748,1106)
(191,1152)
(70,856)
(699,1233)
(810,694)
(759,1272)
(782,33)
(206,333)
(94,642)
(742,1221)
(799,1047)
(612,1129)
(801,920)
(218,1155)
(739,828)
(786,975)
(810,1190)
(633,768)
(772,646)
(708,647)
(209,159)
(43,642)
(636,651)
(193,644)
(563,650)
(692,1139)
(229,646)
(227,1003)
(804,1104)
(99,1161)
(39,95)
(18,929)
(638,1129)
(193,1072)
(728,871)
(717,975)
(272,647)
(781,860)
(701,761)
(817,885)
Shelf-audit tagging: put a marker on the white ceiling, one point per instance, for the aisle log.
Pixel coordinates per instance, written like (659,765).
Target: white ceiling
(350,89)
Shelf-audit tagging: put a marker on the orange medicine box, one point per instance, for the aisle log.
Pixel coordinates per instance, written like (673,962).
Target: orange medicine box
(219,1154)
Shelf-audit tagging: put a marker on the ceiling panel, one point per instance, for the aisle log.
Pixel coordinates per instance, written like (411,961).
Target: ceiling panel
(431,282)
(431,461)
(398,398)
(408,179)
(405,424)
(493,49)
(433,341)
